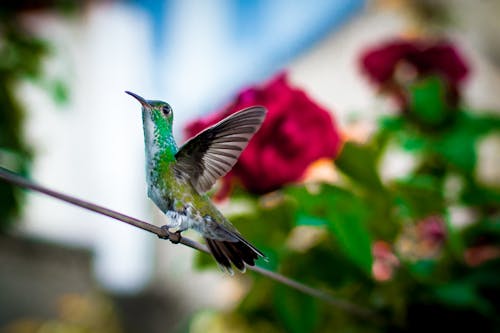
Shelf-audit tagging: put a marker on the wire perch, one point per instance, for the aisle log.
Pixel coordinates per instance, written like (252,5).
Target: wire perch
(163,233)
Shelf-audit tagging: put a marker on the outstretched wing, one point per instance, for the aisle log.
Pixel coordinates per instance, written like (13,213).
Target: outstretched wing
(212,153)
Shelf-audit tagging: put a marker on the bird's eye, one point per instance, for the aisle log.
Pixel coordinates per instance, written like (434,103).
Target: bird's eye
(166,110)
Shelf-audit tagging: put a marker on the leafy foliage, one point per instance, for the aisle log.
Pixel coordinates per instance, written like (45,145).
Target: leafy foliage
(393,246)
(21,56)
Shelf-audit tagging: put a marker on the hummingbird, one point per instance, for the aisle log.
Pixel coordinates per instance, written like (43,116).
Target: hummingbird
(178,178)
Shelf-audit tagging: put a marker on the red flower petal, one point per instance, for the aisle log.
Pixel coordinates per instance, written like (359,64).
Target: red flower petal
(296,132)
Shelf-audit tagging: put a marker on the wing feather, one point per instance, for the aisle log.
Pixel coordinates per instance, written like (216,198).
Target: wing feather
(213,152)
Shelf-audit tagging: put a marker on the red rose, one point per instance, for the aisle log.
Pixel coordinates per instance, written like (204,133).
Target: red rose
(399,60)
(296,132)
(380,62)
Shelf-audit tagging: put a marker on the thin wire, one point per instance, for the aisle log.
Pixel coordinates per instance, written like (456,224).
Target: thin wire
(163,233)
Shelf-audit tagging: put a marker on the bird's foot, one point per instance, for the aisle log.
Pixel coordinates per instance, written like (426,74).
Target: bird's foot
(166,232)
(174,237)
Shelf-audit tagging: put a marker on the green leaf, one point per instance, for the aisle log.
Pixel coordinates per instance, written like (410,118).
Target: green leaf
(359,163)
(298,312)
(419,197)
(457,145)
(348,222)
(313,205)
(455,240)
(458,148)
(411,142)
(481,124)
(331,267)
(478,196)
(347,217)
(423,270)
(428,101)
(392,123)
(304,219)
(462,294)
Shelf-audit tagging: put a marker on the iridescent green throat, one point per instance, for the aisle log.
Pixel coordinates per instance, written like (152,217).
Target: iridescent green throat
(158,139)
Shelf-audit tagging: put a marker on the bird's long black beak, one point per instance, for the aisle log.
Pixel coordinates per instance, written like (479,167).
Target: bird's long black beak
(140,99)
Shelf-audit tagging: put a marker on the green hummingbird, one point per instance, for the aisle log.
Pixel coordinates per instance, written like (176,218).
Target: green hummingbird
(178,178)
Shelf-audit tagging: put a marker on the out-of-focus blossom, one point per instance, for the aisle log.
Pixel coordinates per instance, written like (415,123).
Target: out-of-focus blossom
(432,231)
(477,255)
(384,261)
(423,240)
(296,132)
(359,131)
(396,63)
(488,160)
(321,171)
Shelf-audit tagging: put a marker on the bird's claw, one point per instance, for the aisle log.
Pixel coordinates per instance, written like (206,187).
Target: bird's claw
(174,237)
(166,232)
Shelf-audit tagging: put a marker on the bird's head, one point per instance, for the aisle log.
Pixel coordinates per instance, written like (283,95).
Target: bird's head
(158,113)
(157,118)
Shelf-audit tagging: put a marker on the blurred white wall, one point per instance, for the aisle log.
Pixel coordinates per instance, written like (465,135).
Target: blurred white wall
(92,148)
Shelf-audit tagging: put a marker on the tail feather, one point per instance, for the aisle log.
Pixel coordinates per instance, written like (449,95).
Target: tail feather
(233,254)
(246,253)
(218,254)
(238,253)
